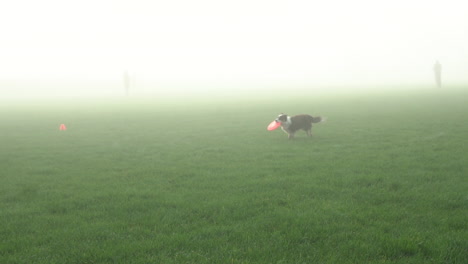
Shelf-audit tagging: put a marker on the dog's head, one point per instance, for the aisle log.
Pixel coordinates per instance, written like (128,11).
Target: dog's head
(282,118)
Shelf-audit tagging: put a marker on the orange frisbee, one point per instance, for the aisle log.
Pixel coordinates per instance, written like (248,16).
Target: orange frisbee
(273,125)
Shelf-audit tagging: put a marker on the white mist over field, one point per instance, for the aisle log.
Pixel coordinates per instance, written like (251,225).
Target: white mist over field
(94,46)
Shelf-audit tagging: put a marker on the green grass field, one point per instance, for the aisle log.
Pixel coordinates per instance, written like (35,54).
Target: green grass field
(201,180)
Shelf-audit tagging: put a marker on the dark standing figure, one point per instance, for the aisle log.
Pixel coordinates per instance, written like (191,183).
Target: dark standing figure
(438,74)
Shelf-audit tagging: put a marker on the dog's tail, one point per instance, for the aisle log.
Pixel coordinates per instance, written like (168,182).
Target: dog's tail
(318,119)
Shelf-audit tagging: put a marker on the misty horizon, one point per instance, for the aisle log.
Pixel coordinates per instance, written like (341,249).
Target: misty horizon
(54,45)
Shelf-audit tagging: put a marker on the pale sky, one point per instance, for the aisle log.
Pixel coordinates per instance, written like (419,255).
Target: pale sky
(242,42)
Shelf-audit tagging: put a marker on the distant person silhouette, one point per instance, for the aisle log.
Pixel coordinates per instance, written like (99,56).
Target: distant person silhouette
(126,80)
(438,74)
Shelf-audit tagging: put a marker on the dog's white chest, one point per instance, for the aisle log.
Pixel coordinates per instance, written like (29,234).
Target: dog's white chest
(285,125)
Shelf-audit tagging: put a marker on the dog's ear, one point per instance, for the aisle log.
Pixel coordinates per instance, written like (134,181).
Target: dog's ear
(282,118)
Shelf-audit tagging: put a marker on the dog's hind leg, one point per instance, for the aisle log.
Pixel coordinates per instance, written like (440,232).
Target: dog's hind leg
(308,129)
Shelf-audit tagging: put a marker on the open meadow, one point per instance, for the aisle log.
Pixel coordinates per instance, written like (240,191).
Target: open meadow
(201,180)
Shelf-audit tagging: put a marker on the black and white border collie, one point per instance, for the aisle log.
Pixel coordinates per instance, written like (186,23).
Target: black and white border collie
(291,124)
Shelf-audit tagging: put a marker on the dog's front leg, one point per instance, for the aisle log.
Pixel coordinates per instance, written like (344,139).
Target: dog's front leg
(290,135)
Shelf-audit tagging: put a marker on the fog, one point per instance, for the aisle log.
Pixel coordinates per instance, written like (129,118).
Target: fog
(91,47)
